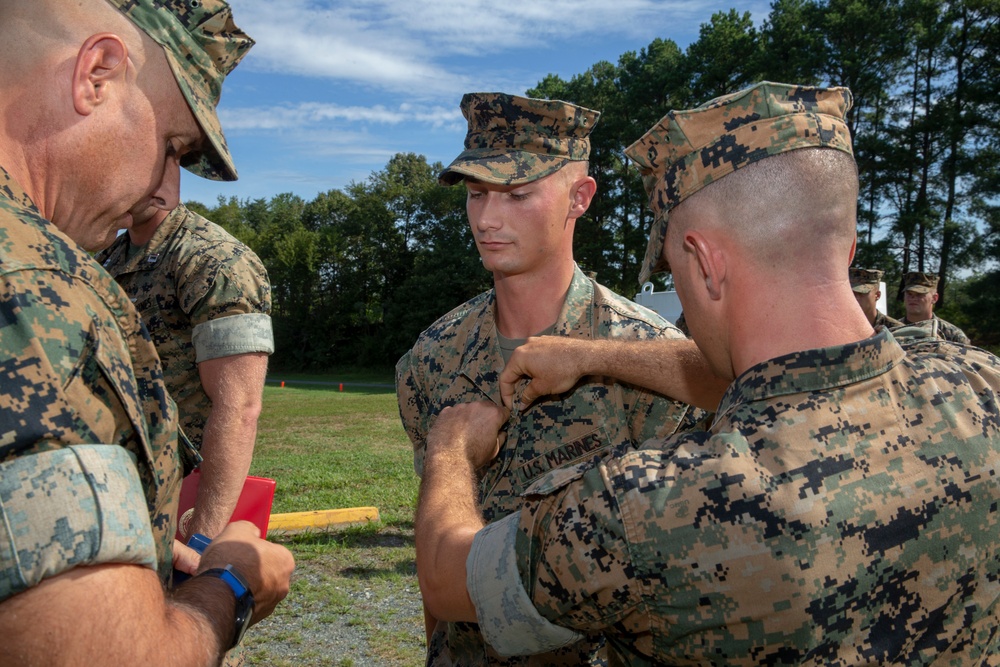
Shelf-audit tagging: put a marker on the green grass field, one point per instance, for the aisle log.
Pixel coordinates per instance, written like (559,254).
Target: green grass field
(354,597)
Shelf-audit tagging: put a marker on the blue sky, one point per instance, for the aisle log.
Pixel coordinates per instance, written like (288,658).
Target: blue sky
(333,89)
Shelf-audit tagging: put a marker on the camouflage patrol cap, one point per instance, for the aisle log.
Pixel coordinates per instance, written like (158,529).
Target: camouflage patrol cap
(921,283)
(514,140)
(202,45)
(687,150)
(864,281)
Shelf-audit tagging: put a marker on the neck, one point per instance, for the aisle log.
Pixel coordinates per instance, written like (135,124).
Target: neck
(793,317)
(528,303)
(139,234)
(14,160)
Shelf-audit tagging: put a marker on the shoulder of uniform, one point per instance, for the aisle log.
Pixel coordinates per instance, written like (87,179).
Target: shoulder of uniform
(206,244)
(454,320)
(629,312)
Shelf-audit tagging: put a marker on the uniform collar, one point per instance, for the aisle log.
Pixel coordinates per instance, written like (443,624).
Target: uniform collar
(814,370)
(151,252)
(12,190)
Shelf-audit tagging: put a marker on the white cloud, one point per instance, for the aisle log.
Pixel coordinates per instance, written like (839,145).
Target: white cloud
(424,47)
(334,88)
(323,114)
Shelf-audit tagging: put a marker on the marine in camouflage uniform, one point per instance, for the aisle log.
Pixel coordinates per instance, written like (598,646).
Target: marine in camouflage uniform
(713,567)
(202,294)
(865,283)
(83,406)
(90,449)
(837,511)
(924,284)
(458,359)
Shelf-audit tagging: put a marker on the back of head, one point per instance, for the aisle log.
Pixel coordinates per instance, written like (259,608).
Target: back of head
(793,213)
(773,163)
(515,140)
(46,29)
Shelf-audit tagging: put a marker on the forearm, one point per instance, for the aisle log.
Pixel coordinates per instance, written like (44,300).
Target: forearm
(235,386)
(227,452)
(672,367)
(117,615)
(429,624)
(447,520)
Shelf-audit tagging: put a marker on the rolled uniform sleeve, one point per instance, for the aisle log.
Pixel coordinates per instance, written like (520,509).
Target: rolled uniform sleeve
(544,577)
(506,615)
(235,334)
(60,509)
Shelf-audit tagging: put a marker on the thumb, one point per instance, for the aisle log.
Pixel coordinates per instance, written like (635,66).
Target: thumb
(526,396)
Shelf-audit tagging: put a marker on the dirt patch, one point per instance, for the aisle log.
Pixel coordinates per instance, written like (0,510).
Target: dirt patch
(354,601)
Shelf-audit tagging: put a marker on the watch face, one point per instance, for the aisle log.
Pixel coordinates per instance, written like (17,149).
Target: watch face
(244,604)
(244,599)
(244,613)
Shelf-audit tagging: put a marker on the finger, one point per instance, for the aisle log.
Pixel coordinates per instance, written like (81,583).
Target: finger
(527,394)
(501,441)
(186,559)
(509,378)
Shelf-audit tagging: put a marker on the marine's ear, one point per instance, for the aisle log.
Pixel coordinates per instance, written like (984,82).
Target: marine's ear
(101,64)
(582,192)
(710,259)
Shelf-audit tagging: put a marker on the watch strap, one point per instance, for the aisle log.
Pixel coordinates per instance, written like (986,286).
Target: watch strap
(244,598)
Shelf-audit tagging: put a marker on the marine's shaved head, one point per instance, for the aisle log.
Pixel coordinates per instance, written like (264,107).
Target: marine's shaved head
(32,29)
(794,211)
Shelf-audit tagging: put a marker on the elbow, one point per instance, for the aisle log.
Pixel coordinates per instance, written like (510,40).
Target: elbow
(434,582)
(446,600)
(430,591)
(441,573)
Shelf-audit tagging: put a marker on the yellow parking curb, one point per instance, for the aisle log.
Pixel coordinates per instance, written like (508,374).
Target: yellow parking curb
(319,519)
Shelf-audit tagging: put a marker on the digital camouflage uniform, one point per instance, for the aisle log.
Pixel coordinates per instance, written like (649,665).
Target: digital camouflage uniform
(202,294)
(883,320)
(458,359)
(88,433)
(838,511)
(841,509)
(941,329)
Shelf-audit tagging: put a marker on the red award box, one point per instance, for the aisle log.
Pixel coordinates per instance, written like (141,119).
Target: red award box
(254,504)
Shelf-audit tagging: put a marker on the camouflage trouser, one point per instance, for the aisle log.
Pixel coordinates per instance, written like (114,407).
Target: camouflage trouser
(462,645)
(235,658)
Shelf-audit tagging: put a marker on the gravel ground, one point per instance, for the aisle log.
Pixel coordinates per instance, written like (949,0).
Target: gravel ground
(354,602)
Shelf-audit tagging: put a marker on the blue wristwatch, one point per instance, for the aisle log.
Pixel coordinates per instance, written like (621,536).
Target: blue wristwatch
(244,599)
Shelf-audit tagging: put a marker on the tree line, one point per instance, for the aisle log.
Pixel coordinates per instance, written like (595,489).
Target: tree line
(358,273)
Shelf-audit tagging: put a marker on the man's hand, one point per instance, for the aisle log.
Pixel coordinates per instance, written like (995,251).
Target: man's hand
(186,559)
(552,364)
(469,429)
(674,367)
(464,437)
(266,566)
